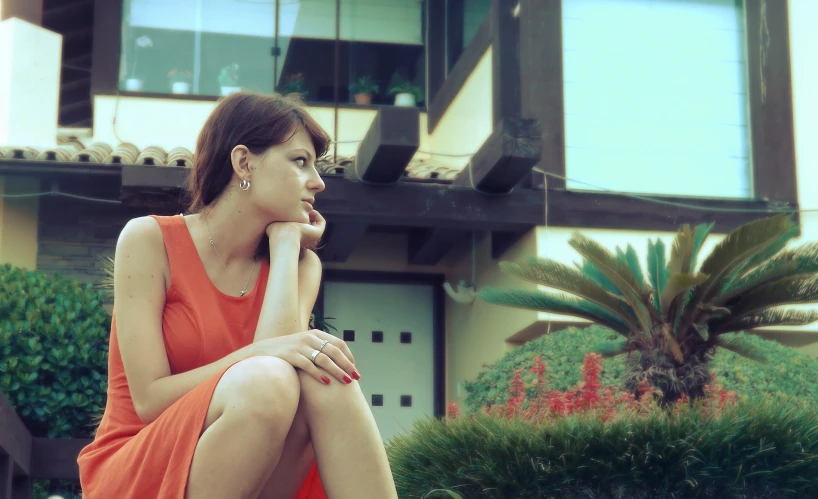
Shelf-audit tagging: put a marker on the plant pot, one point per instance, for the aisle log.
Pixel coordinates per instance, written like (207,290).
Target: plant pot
(180,87)
(133,84)
(405,100)
(230,90)
(363,98)
(297,96)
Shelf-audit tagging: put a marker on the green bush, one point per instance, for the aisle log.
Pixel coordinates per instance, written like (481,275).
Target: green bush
(54,351)
(753,449)
(788,371)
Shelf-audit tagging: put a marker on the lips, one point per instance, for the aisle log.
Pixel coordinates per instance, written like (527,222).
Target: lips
(310,201)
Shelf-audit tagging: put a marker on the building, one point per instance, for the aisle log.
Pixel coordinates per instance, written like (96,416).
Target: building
(688,111)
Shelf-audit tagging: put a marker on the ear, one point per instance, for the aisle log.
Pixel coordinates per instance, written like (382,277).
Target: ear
(240,159)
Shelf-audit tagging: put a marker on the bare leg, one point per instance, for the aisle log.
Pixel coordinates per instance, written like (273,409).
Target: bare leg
(296,460)
(347,444)
(247,423)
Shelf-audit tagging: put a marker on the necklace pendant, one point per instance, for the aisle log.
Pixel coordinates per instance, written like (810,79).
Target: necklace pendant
(242,292)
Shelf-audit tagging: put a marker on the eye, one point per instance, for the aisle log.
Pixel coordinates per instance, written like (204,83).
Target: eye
(301,162)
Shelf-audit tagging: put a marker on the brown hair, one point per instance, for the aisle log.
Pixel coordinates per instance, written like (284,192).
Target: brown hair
(257,121)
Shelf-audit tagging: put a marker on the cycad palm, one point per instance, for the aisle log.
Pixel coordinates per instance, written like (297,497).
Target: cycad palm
(676,315)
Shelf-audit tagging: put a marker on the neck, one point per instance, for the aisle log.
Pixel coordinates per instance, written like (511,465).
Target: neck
(236,237)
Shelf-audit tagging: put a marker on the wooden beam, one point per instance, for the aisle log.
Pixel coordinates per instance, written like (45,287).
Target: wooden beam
(505,158)
(15,440)
(505,60)
(342,239)
(56,457)
(6,477)
(107,44)
(391,142)
(429,246)
(501,241)
(405,204)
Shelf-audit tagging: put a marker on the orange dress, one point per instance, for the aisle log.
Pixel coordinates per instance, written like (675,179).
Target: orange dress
(200,324)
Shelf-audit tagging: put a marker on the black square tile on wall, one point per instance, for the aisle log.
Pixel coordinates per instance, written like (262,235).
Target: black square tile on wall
(406,337)
(349,335)
(406,401)
(377,336)
(377,400)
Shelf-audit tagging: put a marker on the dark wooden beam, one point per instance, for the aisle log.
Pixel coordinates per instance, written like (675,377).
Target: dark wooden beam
(56,457)
(501,241)
(542,84)
(341,240)
(15,440)
(505,60)
(771,112)
(583,209)
(441,100)
(435,48)
(107,43)
(505,158)
(393,138)
(429,246)
(6,476)
(405,204)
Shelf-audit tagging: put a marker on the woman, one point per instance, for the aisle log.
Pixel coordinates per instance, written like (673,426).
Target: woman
(216,387)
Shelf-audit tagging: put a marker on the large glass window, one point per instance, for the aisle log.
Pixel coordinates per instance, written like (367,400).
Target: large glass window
(367,51)
(656,97)
(463,19)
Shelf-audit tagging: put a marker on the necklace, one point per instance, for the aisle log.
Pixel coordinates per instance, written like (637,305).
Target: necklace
(213,244)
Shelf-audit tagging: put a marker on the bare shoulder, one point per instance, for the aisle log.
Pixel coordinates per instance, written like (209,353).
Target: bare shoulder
(141,247)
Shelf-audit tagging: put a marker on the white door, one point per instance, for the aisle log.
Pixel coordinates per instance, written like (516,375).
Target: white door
(389,328)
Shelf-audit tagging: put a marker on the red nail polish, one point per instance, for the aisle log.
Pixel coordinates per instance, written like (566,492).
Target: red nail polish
(325,380)
(356,375)
(347,379)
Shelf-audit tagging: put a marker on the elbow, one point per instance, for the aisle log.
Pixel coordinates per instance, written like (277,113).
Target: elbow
(145,413)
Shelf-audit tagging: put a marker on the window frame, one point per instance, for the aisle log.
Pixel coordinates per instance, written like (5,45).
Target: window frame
(106,54)
(771,129)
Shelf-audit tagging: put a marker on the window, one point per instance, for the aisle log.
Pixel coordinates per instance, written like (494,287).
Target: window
(214,47)
(463,19)
(657,88)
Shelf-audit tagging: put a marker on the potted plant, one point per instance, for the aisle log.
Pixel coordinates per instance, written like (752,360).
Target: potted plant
(180,81)
(363,89)
(406,93)
(134,83)
(229,79)
(295,85)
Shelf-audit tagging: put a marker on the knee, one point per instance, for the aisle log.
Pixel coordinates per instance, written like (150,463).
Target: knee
(263,386)
(318,396)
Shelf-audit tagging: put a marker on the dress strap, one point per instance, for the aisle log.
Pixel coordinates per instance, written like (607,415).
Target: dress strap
(182,253)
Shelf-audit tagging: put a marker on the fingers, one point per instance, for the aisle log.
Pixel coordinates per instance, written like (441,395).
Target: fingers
(337,342)
(306,365)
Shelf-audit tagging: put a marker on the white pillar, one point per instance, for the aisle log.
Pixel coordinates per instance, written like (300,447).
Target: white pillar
(30,59)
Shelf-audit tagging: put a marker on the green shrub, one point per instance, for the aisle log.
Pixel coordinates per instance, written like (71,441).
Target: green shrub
(53,351)
(761,448)
(788,371)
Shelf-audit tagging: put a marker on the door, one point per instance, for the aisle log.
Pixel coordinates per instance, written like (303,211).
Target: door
(390,330)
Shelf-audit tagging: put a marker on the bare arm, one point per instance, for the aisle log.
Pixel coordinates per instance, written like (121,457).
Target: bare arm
(309,282)
(280,311)
(139,293)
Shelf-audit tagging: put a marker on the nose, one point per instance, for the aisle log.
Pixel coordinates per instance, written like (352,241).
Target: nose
(316,183)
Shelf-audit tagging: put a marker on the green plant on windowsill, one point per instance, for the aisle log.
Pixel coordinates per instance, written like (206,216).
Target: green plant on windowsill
(406,93)
(294,85)
(229,79)
(363,89)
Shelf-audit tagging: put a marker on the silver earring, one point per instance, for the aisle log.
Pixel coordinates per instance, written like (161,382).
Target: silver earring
(244,184)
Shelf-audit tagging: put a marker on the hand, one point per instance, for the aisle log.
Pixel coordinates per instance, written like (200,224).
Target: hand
(335,359)
(309,233)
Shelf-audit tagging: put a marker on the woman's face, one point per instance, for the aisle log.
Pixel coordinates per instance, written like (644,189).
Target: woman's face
(284,181)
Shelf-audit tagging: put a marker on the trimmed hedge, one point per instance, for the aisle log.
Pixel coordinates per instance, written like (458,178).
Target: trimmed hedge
(753,449)
(53,351)
(788,371)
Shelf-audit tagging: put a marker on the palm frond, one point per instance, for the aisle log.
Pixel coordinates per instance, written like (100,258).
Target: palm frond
(657,271)
(702,231)
(681,253)
(731,254)
(672,344)
(592,271)
(770,317)
(796,290)
(629,258)
(612,349)
(802,261)
(671,297)
(619,274)
(743,348)
(554,303)
(561,277)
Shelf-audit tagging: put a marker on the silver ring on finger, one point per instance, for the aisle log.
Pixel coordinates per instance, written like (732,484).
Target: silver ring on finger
(323,345)
(314,355)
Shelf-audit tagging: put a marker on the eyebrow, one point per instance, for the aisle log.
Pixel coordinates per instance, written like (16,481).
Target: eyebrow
(306,153)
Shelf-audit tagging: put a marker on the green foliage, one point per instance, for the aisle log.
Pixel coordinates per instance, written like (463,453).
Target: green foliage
(676,314)
(53,351)
(365,85)
(401,85)
(753,449)
(786,370)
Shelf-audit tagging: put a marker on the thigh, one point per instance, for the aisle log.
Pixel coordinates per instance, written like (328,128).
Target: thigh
(296,460)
